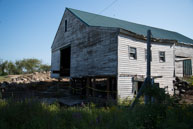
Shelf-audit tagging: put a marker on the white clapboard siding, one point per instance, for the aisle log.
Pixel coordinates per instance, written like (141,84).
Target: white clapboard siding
(55,63)
(138,67)
(183,51)
(124,87)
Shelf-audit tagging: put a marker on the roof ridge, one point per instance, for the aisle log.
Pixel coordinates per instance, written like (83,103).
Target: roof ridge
(106,21)
(123,20)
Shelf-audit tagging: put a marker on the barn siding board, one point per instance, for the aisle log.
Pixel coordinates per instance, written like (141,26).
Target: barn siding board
(76,30)
(97,55)
(179,68)
(93,49)
(55,63)
(138,67)
(124,88)
(183,50)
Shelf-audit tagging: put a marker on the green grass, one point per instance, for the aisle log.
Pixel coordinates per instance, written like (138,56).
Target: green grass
(4,78)
(35,115)
(189,80)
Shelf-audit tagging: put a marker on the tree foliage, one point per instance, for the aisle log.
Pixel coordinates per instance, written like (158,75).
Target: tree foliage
(22,66)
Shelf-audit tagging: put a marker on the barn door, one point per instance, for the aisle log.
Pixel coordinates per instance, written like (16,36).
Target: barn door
(187,67)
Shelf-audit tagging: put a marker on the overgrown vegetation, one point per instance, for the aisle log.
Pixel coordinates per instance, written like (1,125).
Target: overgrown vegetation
(163,113)
(189,80)
(22,66)
(36,115)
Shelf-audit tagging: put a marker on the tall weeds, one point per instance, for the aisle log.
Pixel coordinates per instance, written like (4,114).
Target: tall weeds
(30,114)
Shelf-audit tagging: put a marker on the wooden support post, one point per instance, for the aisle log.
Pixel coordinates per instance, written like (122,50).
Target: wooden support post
(87,85)
(113,88)
(72,85)
(93,86)
(108,87)
(82,86)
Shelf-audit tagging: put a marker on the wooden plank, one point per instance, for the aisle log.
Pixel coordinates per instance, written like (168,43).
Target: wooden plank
(87,85)
(108,87)
(93,86)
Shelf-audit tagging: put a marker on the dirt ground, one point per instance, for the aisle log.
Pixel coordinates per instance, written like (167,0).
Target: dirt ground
(38,86)
(187,97)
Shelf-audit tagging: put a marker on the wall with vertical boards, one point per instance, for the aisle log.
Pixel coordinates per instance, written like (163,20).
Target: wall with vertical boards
(179,68)
(55,63)
(93,49)
(76,30)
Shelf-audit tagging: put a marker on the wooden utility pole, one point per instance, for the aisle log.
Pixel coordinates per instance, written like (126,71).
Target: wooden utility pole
(149,53)
(148,74)
(147,81)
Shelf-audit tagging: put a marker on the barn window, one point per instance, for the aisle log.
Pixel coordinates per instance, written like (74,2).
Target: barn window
(65,25)
(132,53)
(146,55)
(162,56)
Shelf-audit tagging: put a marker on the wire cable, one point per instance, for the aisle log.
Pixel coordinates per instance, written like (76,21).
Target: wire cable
(108,6)
(104,9)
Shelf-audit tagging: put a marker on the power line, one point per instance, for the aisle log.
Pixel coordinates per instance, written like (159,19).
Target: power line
(108,6)
(104,9)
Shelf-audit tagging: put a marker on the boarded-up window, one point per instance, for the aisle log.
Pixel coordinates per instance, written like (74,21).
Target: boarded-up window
(162,57)
(187,67)
(132,53)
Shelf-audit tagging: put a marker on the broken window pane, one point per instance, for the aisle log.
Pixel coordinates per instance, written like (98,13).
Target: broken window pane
(162,56)
(132,53)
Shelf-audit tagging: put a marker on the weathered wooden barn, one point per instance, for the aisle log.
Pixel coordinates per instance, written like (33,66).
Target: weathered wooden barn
(90,49)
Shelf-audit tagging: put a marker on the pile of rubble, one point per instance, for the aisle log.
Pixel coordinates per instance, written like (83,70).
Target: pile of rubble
(38,86)
(181,87)
(183,90)
(28,78)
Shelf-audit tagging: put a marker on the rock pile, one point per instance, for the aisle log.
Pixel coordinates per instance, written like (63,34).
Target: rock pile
(181,87)
(183,91)
(28,78)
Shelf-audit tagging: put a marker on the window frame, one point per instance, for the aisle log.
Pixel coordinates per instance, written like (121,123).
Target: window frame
(164,56)
(134,53)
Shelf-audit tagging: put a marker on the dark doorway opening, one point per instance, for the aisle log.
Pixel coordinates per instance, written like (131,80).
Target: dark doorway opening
(138,85)
(65,55)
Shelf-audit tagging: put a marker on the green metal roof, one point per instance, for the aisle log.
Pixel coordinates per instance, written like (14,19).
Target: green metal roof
(103,21)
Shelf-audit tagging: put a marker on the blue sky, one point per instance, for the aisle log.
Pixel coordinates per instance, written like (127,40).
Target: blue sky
(28,27)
